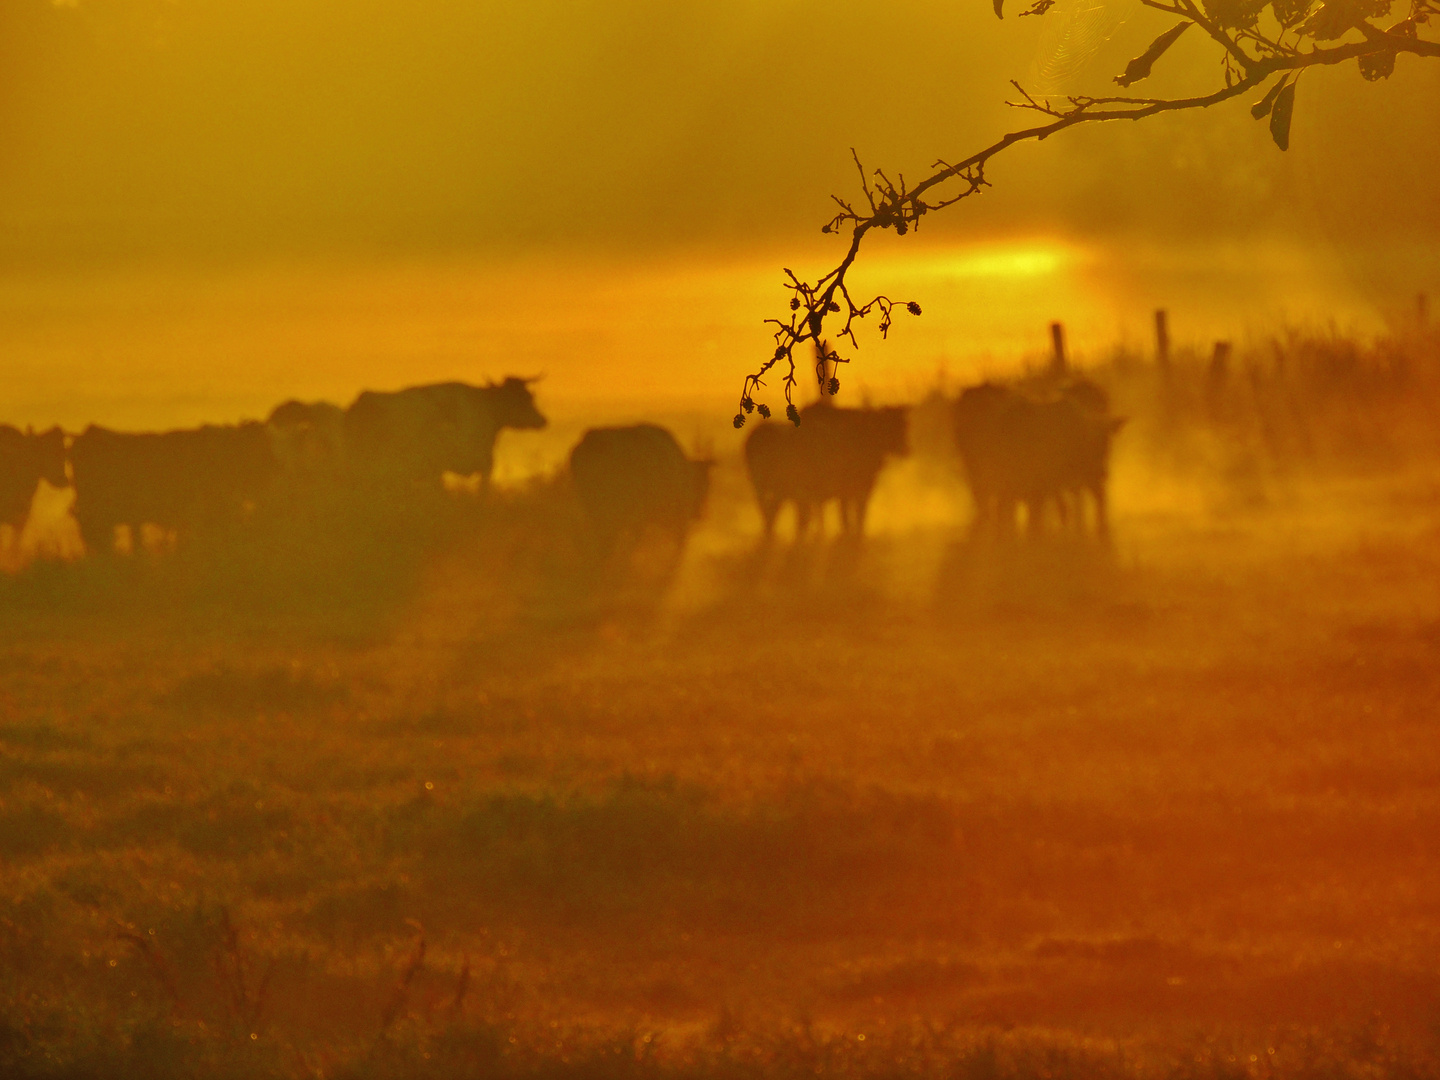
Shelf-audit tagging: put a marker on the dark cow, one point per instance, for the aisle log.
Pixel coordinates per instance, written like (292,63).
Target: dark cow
(413,436)
(834,454)
(190,481)
(1035,451)
(633,479)
(308,438)
(25,459)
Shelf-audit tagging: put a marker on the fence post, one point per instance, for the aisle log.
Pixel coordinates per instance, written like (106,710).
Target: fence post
(1220,363)
(1217,379)
(1057,342)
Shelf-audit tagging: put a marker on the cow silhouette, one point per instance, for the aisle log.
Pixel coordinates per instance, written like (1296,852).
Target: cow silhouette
(414,436)
(26,458)
(308,438)
(632,480)
(191,481)
(1049,447)
(834,454)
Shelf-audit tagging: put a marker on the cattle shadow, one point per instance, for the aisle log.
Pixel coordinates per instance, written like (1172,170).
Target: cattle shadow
(834,580)
(625,582)
(981,575)
(337,561)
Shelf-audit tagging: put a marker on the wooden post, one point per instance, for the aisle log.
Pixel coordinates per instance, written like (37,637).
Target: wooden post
(1220,363)
(1057,342)
(1217,378)
(1162,339)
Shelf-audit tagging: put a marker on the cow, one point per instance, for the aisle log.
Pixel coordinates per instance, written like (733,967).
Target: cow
(184,482)
(308,439)
(26,458)
(1035,451)
(630,480)
(833,454)
(411,437)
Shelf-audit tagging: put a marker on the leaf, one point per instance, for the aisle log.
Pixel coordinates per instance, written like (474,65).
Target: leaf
(1377,65)
(1290,12)
(1331,20)
(1234,14)
(1139,68)
(1280,116)
(1261,108)
(1381,65)
(999,9)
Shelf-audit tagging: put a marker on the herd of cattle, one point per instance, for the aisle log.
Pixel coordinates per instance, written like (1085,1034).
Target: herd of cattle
(1042,445)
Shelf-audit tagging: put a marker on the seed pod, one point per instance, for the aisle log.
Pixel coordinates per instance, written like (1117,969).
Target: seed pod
(1261,108)
(739,420)
(792,414)
(913,308)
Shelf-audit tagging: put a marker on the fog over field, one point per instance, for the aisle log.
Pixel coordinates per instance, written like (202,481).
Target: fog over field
(367,737)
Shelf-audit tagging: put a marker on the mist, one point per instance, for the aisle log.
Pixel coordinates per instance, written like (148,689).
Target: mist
(422,654)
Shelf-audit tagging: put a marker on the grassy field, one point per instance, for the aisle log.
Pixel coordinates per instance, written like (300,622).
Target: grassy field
(449,800)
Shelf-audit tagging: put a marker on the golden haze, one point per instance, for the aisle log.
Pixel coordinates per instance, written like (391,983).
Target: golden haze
(365,783)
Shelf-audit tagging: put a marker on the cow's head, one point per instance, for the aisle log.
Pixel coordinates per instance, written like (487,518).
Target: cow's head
(979,410)
(515,405)
(50,456)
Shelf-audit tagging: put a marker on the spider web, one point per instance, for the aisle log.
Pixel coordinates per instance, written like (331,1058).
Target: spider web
(1072,32)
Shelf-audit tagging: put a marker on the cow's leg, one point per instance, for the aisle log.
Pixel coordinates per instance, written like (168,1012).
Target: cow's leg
(99,537)
(802,520)
(1005,507)
(986,515)
(1102,515)
(862,508)
(1062,510)
(769,510)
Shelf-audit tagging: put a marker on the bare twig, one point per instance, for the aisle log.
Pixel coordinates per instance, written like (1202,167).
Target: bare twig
(159,966)
(400,996)
(244,997)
